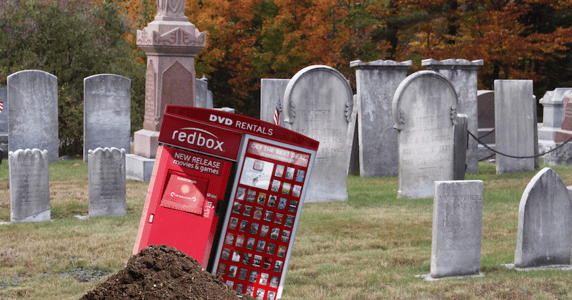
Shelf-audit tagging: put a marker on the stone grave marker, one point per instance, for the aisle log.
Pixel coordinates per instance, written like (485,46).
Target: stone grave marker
(353,140)
(553,104)
(202,93)
(457,228)
(544,222)
(376,83)
(29,186)
(460,147)
(107,189)
(463,76)
(33,112)
(106,113)
(486,106)
(565,131)
(318,103)
(425,112)
(271,91)
(514,123)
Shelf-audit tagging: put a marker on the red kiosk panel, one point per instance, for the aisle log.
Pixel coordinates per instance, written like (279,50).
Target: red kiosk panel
(266,207)
(179,210)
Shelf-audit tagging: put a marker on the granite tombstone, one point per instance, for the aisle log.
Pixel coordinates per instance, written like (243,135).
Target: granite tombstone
(565,131)
(107,189)
(544,222)
(425,113)
(33,112)
(457,228)
(318,103)
(4,121)
(514,123)
(486,106)
(29,186)
(106,112)
(376,83)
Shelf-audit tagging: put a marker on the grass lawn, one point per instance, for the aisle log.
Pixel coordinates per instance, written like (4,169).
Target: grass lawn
(370,247)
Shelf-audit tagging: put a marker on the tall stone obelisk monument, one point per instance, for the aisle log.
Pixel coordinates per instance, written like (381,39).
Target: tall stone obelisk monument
(171,43)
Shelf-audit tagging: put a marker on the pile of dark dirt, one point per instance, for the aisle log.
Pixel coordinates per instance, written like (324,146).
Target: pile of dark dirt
(161,272)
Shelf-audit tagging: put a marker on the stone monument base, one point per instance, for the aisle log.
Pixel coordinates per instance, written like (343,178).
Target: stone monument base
(145,143)
(138,168)
(543,268)
(429,278)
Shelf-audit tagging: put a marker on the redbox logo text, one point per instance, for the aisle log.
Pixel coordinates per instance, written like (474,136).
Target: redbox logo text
(198,137)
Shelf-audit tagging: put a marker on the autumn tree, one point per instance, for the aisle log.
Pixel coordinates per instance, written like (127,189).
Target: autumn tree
(71,40)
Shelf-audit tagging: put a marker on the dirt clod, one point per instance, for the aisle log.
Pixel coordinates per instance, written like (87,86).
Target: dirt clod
(161,272)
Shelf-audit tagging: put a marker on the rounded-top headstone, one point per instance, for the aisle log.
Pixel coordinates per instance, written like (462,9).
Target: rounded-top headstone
(424,112)
(318,103)
(33,112)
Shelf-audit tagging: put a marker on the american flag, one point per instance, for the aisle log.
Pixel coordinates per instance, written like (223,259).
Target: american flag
(1,106)
(277,112)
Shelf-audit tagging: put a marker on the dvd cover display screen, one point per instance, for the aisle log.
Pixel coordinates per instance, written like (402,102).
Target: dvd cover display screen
(258,236)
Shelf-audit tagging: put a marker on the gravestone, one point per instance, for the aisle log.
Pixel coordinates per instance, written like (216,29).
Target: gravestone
(376,83)
(486,105)
(318,103)
(514,123)
(565,131)
(4,121)
(544,222)
(457,228)
(107,189)
(460,147)
(353,147)
(106,112)
(29,186)
(202,93)
(271,91)
(425,112)
(463,76)
(560,156)
(33,112)
(553,104)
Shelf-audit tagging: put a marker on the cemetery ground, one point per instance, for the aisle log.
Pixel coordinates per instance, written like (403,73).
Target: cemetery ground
(370,247)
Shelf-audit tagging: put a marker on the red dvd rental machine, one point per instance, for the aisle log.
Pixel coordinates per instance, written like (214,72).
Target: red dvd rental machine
(228,190)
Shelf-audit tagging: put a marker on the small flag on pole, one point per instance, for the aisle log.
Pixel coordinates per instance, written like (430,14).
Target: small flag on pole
(277,112)
(1,106)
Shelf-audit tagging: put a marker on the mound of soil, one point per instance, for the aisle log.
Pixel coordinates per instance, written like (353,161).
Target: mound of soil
(161,272)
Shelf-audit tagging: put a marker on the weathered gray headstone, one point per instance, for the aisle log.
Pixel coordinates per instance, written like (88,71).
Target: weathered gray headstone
(514,123)
(107,189)
(271,91)
(560,156)
(461,143)
(457,228)
(29,186)
(106,112)
(318,103)
(376,84)
(486,104)
(353,147)
(33,112)
(544,222)
(463,75)
(202,93)
(425,112)
(553,104)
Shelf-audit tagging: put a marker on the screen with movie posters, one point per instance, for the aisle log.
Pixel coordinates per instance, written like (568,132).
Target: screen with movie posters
(264,210)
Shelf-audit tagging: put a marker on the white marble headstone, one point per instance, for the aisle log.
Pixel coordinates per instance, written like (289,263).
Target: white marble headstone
(29,186)
(318,103)
(107,112)
(33,112)
(425,113)
(271,92)
(107,189)
(544,222)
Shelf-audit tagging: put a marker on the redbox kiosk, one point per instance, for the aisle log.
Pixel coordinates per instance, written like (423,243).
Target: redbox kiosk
(228,190)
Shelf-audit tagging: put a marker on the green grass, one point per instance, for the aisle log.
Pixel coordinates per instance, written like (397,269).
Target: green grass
(369,247)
